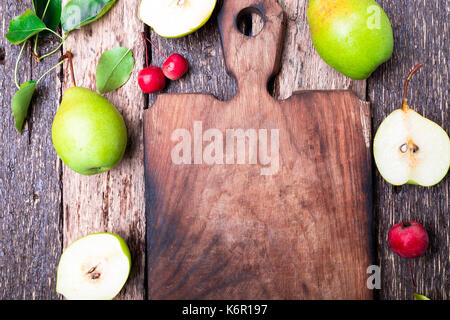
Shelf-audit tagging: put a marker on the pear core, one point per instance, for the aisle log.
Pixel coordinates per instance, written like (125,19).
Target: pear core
(409,148)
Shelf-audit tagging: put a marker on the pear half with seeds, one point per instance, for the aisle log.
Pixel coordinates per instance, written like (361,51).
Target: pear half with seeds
(94,267)
(411,149)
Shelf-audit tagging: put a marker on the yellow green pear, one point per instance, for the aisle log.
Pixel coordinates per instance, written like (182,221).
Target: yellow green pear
(88,132)
(352,36)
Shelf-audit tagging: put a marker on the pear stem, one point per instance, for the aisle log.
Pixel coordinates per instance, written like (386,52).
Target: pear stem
(69,56)
(405,89)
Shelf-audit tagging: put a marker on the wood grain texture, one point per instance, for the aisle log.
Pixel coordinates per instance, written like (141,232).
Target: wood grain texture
(112,201)
(30,242)
(421,31)
(30,193)
(229,232)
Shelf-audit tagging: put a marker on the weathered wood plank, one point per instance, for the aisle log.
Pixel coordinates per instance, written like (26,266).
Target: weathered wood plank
(203,50)
(207,72)
(30,193)
(113,201)
(421,30)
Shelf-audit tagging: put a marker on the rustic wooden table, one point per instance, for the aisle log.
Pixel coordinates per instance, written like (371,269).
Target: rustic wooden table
(45,206)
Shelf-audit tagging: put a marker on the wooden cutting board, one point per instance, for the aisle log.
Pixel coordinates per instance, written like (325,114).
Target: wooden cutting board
(255,198)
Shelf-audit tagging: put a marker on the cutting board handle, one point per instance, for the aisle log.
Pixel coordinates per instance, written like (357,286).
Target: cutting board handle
(252,59)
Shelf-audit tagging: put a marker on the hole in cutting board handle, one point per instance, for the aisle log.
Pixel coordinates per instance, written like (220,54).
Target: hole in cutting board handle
(250,21)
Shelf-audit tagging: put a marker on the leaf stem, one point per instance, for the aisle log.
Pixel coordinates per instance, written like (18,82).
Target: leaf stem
(51,69)
(45,10)
(57,48)
(17,64)
(56,34)
(35,45)
(37,36)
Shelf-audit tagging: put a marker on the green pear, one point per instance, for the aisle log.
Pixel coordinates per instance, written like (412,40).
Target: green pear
(95,267)
(176,18)
(352,36)
(410,149)
(88,132)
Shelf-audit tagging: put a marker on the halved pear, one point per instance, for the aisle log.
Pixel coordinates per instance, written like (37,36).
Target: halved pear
(176,18)
(410,149)
(94,267)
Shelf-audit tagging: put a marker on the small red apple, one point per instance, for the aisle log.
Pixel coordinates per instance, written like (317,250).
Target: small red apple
(151,79)
(175,66)
(408,239)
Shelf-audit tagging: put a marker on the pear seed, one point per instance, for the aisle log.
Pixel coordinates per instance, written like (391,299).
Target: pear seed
(404,148)
(92,269)
(95,276)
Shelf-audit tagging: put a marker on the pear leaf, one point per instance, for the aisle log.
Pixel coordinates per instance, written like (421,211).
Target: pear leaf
(114,69)
(78,13)
(52,16)
(21,102)
(23,27)
(420,297)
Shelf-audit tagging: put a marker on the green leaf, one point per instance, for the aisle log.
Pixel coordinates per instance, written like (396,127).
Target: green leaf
(21,102)
(78,13)
(420,297)
(23,27)
(114,69)
(52,16)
